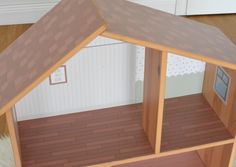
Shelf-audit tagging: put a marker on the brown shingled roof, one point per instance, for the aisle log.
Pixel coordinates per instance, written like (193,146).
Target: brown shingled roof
(72,24)
(67,28)
(145,26)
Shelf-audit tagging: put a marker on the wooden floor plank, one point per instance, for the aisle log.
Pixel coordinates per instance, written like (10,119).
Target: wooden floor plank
(190,121)
(84,138)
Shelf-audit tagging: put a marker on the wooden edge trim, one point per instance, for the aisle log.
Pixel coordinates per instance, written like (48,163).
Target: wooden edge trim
(232,157)
(163,69)
(168,49)
(14,138)
(130,160)
(163,154)
(12,102)
(199,147)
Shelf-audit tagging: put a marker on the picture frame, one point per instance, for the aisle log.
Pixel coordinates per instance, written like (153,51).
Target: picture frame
(59,76)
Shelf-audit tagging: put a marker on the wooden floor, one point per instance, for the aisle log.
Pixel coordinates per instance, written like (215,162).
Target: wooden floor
(84,138)
(113,134)
(190,121)
(190,159)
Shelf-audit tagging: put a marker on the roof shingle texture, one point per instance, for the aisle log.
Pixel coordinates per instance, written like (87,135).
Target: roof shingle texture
(65,27)
(153,28)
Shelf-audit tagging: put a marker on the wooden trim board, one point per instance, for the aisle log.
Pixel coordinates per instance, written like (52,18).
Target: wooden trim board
(189,159)
(232,157)
(14,136)
(161,101)
(163,154)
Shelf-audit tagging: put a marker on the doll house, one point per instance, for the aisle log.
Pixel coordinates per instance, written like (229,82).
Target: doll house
(195,130)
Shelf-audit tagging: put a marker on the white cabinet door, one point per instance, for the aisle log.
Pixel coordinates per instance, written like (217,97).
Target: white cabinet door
(30,2)
(164,5)
(195,7)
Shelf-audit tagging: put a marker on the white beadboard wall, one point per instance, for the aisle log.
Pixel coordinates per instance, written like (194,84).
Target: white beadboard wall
(98,76)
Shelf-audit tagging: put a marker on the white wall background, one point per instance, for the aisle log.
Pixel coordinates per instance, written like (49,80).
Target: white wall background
(196,7)
(98,76)
(164,5)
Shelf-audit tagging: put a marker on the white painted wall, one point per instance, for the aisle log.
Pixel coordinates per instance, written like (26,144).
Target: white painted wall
(98,77)
(163,5)
(24,11)
(181,6)
(197,7)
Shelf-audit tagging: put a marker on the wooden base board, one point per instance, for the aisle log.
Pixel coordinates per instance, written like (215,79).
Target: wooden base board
(190,159)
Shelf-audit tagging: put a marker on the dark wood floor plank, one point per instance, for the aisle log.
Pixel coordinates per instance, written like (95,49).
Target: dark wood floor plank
(82,139)
(190,121)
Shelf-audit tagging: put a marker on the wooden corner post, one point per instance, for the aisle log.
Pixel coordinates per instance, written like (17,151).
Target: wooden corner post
(154,95)
(14,136)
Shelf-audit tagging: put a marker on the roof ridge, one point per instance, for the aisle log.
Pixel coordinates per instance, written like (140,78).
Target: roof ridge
(99,12)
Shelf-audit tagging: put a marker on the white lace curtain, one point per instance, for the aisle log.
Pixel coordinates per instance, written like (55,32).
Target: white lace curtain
(177,65)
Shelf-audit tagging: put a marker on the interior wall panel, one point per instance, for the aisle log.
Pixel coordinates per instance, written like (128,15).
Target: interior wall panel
(97,77)
(224,110)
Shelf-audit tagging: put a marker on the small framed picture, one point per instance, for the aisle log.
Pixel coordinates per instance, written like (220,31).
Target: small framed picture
(59,76)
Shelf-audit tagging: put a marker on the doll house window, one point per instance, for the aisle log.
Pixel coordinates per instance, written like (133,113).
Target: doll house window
(221,85)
